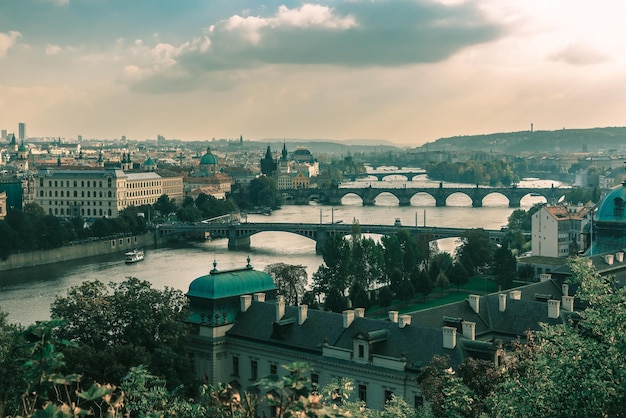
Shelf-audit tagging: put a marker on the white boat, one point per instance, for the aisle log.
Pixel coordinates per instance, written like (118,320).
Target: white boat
(134,256)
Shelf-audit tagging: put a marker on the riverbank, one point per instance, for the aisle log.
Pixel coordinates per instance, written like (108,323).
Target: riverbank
(76,251)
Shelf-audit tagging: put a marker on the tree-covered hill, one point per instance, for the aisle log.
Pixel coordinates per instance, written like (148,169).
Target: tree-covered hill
(564,140)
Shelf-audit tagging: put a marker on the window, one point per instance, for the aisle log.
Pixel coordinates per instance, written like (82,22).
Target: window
(273,369)
(363,393)
(361,351)
(315,380)
(254,370)
(418,401)
(388,395)
(236,365)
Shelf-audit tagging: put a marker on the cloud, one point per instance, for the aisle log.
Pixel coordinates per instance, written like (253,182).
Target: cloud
(53,49)
(350,35)
(580,54)
(8,40)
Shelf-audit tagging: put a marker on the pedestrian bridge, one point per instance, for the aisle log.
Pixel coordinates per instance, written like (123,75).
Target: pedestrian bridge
(409,175)
(238,234)
(440,194)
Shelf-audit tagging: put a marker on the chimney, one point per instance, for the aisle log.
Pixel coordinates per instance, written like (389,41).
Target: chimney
(474,301)
(568,303)
(302,311)
(469,330)
(280,307)
(619,256)
(259,297)
(359,312)
(449,337)
(544,277)
(348,317)
(502,302)
(246,301)
(609,259)
(554,308)
(565,289)
(404,321)
(515,294)
(393,316)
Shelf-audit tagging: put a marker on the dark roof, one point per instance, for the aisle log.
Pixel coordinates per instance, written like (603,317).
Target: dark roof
(417,344)
(257,324)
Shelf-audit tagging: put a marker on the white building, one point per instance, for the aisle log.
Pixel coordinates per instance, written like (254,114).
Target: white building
(555,228)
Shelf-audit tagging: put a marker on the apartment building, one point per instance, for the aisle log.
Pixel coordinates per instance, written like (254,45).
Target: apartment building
(555,229)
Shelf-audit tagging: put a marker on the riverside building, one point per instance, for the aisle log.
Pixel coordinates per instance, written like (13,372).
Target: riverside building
(98,193)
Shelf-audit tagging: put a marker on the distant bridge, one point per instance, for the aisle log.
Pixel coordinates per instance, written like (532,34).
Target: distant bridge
(238,234)
(409,175)
(441,194)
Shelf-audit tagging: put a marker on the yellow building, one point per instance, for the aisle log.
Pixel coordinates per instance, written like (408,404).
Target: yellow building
(3,205)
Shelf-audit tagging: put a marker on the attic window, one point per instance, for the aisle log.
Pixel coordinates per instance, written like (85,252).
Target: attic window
(542,297)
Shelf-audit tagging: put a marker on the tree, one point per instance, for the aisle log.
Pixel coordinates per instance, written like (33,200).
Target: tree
(263,191)
(8,240)
(442,282)
(476,249)
(290,281)
(572,369)
(123,325)
(519,220)
(11,373)
(458,275)
(504,267)
(164,205)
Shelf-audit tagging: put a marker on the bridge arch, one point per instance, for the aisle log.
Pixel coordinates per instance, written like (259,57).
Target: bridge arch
(386,199)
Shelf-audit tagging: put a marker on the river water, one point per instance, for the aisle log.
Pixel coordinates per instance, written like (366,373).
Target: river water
(26,294)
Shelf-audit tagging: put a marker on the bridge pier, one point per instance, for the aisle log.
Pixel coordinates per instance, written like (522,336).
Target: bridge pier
(236,242)
(440,202)
(515,203)
(320,240)
(404,201)
(477,203)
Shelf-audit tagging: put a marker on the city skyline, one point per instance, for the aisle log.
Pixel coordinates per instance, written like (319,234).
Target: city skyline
(408,72)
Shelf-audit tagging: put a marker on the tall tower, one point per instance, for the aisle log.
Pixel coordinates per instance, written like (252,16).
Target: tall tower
(22,131)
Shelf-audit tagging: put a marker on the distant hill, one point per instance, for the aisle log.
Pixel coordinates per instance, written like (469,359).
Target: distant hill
(564,140)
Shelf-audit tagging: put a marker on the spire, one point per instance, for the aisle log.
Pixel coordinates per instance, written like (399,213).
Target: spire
(284,152)
(268,153)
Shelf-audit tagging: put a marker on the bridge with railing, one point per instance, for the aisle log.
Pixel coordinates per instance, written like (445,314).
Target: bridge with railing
(368,195)
(238,234)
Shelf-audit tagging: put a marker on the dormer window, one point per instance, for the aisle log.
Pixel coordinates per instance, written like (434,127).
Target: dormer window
(618,208)
(361,350)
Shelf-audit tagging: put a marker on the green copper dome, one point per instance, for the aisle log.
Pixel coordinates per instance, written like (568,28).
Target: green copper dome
(208,158)
(612,207)
(230,283)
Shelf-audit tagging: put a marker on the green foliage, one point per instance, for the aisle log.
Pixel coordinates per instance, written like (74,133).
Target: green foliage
(504,267)
(290,281)
(262,191)
(164,205)
(123,325)
(493,173)
(476,250)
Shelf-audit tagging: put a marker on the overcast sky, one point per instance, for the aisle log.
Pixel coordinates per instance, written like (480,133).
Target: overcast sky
(407,71)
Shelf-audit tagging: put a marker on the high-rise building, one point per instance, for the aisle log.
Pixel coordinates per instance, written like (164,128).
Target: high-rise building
(4,134)
(22,130)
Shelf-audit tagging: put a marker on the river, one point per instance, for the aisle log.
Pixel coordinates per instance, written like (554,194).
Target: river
(26,294)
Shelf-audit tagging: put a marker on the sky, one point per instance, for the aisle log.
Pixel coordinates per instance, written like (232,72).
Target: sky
(405,71)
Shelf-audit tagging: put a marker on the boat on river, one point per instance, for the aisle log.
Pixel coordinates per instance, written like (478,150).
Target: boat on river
(134,256)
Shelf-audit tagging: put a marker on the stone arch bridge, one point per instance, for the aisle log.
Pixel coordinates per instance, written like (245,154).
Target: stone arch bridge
(369,194)
(238,234)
